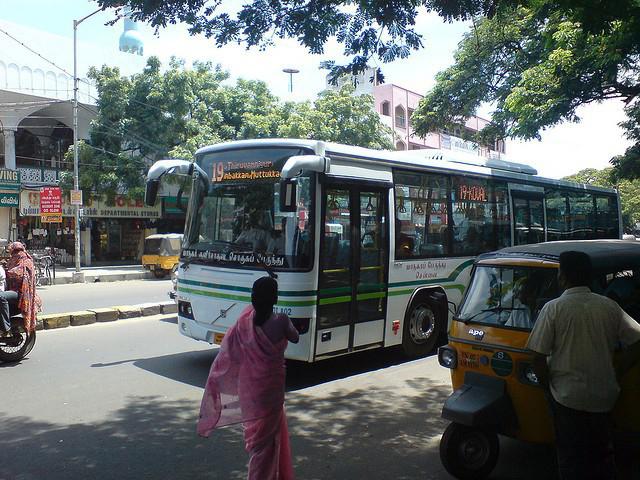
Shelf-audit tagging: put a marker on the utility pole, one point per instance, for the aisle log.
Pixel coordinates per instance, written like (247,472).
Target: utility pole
(78,276)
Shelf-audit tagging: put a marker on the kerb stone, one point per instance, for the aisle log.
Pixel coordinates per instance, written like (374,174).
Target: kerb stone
(84,317)
(129,311)
(149,309)
(105,314)
(55,320)
(169,307)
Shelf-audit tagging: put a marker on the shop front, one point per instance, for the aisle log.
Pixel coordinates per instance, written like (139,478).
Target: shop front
(110,233)
(9,192)
(36,234)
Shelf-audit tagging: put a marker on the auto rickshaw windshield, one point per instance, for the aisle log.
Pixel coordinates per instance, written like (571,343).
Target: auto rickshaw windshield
(508,296)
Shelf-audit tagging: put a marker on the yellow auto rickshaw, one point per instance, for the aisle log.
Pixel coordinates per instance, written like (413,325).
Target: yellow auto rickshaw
(162,253)
(495,390)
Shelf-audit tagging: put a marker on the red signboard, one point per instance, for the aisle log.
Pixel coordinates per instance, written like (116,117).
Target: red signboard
(50,201)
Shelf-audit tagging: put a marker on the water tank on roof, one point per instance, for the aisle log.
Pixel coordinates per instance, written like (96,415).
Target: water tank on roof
(131,39)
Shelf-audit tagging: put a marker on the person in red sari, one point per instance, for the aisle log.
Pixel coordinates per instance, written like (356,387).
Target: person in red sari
(246,384)
(21,279)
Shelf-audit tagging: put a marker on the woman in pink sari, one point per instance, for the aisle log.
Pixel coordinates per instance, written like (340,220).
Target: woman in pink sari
(246,384)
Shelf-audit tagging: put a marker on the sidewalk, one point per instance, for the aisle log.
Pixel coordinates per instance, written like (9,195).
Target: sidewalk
(103,274)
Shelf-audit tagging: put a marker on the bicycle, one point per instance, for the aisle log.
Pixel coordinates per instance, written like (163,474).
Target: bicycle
(43,270)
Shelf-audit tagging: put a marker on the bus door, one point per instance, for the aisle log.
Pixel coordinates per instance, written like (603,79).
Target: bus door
(528,214)
(353,269)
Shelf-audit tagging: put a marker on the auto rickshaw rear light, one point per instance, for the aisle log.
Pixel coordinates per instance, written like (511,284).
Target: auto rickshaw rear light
(448,357)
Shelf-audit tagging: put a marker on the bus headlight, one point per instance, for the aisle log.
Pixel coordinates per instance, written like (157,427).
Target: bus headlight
(185,310)
(301,324)
(448,357)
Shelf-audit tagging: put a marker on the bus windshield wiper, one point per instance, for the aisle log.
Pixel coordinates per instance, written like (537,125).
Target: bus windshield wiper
(489,310)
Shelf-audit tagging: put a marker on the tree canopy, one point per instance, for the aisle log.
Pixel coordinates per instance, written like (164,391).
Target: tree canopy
(629,192)
(537,66)
(159,114)
(536,61)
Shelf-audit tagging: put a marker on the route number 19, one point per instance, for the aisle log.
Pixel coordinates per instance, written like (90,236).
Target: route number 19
(218,172)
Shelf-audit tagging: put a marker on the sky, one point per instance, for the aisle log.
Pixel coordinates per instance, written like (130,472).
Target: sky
(563,150)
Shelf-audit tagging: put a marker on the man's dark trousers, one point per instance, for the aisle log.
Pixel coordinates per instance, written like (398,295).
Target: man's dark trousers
(583,443)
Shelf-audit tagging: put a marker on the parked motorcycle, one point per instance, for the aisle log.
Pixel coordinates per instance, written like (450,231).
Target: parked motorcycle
(18,345)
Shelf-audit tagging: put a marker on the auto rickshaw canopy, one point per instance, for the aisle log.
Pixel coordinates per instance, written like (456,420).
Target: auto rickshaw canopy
(164,244)
(610,255)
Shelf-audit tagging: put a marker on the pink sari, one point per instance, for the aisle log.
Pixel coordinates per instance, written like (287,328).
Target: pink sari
(246,385)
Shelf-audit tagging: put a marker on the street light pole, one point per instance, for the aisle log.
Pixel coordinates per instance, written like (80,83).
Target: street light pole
(290,71)
(78,276)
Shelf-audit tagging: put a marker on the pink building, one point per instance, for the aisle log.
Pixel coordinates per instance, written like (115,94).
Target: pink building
(396,105)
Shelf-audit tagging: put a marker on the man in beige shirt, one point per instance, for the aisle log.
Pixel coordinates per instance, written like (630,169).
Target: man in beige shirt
(574,340)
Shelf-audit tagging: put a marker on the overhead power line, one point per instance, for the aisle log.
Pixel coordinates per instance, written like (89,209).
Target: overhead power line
(51,62)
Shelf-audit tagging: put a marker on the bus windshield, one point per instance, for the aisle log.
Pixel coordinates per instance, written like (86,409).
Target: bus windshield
(237,222)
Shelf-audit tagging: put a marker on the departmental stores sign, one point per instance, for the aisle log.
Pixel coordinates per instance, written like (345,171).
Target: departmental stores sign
(122,207)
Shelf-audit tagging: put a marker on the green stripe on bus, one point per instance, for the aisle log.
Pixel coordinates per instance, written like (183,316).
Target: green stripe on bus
(334,291)
(409,291)
(455,287)
(368,296)
(219,286)
(373,287)
(246,299)
(334,300)
(364,292)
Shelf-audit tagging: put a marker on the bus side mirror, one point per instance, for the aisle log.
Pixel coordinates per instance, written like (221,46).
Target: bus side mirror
(151,192)
(288,195)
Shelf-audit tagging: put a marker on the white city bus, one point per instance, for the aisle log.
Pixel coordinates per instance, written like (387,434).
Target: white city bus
(371,248)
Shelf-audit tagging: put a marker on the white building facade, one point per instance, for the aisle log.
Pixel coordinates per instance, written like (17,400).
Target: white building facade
(36,116)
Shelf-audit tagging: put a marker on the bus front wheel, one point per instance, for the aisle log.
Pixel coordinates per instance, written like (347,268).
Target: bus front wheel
(422,327)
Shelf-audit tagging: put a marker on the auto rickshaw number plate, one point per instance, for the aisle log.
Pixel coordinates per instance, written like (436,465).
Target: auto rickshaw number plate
(502,364)
(469,360)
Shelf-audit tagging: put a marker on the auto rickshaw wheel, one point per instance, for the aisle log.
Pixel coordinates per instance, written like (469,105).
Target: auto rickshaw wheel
(422,327)
(159,273)
(467,452)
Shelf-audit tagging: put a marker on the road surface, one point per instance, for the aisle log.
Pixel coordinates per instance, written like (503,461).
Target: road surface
(80,296)
(120,401)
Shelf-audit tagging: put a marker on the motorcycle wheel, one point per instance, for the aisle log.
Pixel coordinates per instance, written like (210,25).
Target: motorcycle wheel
(15,348)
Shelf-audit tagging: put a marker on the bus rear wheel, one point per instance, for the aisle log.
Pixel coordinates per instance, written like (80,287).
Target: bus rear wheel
(422,327)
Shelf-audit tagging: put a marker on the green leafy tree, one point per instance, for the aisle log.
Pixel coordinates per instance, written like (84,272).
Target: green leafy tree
(537,61)
(537,64)
(629,191)
(336,116)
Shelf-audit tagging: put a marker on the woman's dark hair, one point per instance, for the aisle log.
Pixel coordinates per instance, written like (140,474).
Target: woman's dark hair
(576,268)
(264,295)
